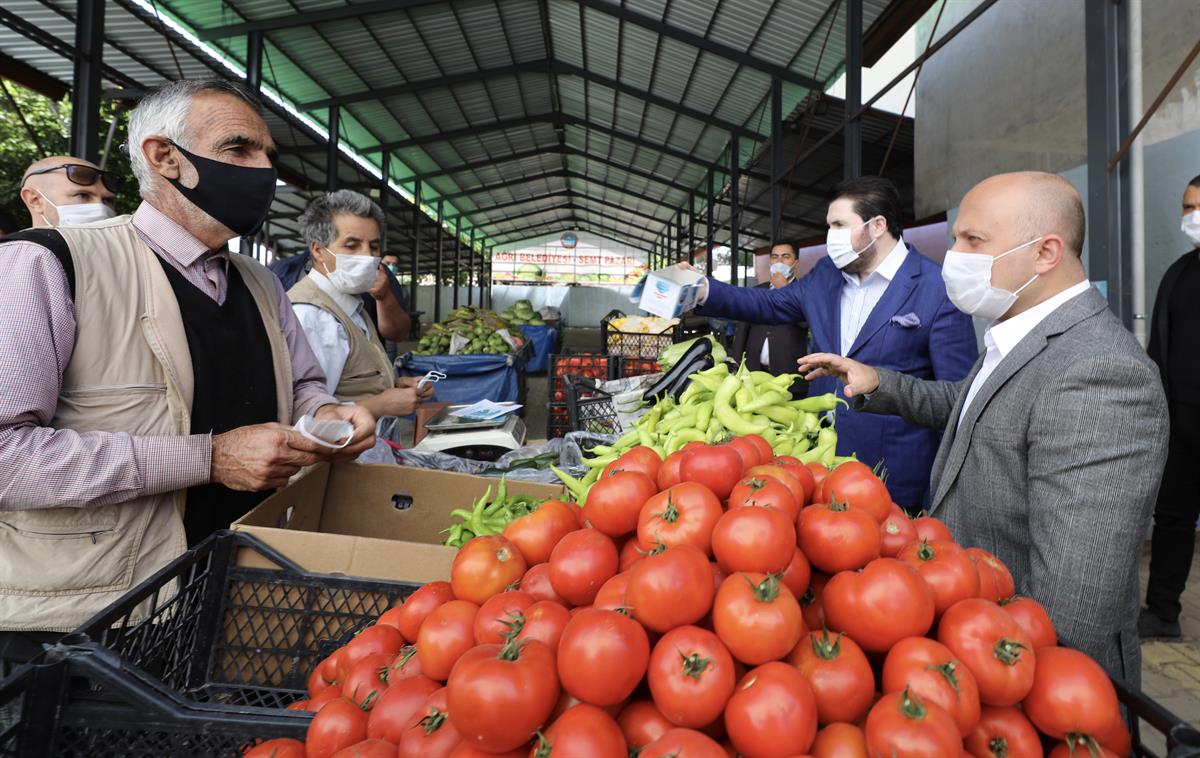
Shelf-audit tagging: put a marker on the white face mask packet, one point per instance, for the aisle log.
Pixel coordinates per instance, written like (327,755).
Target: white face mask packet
(335,434)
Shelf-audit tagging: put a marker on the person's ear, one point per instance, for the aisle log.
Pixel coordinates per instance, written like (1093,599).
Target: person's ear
(1051,250)
(33,199)
(161,157)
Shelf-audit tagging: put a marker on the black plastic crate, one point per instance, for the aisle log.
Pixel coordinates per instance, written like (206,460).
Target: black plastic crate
(566,368)
(216,632)
(634,344)
(82,700)
(628,367)
(1182,740)
(591,410)
(558,420)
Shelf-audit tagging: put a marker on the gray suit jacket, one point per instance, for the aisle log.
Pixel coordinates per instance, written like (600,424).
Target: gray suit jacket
(1055,468)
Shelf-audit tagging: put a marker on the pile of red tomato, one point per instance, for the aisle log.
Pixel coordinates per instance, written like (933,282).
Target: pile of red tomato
(722,602)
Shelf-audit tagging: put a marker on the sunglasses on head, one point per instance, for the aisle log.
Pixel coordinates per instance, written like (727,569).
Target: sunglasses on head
(85,176)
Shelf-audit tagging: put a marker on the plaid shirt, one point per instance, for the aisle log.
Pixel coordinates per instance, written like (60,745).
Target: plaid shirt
(41,467)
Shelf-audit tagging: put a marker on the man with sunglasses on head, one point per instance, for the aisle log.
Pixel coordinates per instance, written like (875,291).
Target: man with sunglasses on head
(66,191)
(149,380)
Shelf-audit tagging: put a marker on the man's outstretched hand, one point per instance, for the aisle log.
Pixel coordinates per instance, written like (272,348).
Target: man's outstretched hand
(859,378)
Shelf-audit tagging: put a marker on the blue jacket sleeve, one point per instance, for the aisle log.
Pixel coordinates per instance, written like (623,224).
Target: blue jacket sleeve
(754,305)
(952,347)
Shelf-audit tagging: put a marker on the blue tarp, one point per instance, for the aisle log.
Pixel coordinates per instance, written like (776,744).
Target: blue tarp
(469,378)
(542,340)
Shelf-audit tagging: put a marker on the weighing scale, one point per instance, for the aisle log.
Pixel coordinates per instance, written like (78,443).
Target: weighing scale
(472,438)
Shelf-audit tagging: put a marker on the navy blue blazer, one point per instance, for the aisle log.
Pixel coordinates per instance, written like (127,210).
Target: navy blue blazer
(938,344)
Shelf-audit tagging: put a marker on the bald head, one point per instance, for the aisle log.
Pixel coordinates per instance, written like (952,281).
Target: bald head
(1037,203)
(48,184)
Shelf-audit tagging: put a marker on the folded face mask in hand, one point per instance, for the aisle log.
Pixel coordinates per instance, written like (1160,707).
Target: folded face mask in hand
(331,434)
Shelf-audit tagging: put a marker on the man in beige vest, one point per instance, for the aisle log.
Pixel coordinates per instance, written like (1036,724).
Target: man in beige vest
(342,230)
(148,378)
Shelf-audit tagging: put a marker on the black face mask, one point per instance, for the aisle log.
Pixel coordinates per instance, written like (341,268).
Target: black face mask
(237,196)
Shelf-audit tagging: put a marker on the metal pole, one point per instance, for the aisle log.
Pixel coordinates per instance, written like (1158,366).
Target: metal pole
(457,253)
(491,254)
(708,226)
(384,196)
(416,255)
(471,271)
(331,154)
(734,209)
(678,236)
(254,59)
(1105,40)
(437,274)
(852,157)
(691,230)
(776,157)
(85,99)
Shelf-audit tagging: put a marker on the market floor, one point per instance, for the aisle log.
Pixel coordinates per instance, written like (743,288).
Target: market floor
(1171,670)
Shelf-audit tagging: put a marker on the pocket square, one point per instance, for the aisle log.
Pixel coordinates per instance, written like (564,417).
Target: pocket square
(908,320)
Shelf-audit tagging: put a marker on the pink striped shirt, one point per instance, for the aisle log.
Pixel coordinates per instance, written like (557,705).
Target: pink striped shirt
(41,467)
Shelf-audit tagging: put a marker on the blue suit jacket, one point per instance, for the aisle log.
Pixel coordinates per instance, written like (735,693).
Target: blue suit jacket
(941,346)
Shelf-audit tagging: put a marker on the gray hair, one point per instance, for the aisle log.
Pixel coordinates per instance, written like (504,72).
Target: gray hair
(316,223)
(164,110)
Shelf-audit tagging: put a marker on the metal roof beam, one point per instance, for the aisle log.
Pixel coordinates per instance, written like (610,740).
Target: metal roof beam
(469,131)
(422,85)
(680,155)
(583,226)
(575,196)
(291,20)
(703,43)
(533,178)
(563,206)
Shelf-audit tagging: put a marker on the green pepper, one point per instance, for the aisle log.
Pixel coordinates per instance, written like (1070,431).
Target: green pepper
(725,413)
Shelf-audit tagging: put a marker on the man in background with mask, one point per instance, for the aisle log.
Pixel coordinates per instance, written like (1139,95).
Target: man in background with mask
(1053,446)
(343,234)
(66,191)
(774,348)
(1175,346)
(148,378)
(878,300)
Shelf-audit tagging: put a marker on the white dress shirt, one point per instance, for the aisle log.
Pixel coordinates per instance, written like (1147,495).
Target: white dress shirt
(859,298)
(764,357)
(325,333)
(1002,336)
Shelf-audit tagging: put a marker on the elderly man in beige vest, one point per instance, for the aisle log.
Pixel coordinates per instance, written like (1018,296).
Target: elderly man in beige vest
(342,230)
(148,378)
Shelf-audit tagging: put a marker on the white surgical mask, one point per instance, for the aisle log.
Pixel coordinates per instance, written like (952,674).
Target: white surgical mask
(839,247)
(782,269)
(354,274)
(74,215)
(1191,227)
(968,278)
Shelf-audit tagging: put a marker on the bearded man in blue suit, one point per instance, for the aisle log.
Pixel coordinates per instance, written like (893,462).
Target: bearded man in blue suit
(877,300)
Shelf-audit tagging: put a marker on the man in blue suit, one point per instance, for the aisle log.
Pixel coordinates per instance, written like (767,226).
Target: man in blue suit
(877,300)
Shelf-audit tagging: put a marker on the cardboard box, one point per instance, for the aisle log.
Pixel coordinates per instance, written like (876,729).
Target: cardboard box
(670,292)
(376,521)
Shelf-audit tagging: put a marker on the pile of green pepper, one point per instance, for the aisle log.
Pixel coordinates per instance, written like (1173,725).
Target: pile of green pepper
(488,515)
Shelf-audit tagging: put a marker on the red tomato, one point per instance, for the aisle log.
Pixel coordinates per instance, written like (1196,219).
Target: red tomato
(500,695)
(757,618)
(810,602)
(855,483)
(498,614)
(927,669)
(404,665)
(602,641)
(642,723)
(819,473)
(299,705)
(390,617)
(368,749)
(683,515)
(611,596)
(799,481)
(946,568)
(339,724)
(766,453)
(895,532)
(991,644)
(797,575)
(535,534)
(614,502)
(631,552)
(277,748)
(368,680)
(754,539)
(837,537)
(1081,748)
(393,713)
(764,491)
(716,467)
(445,636)
(691,676)
(669,475)
(1071,694)
(1032,617)
(582,730)
(316,683)
(902,725)
(484,567)
(930,529)
(419,605)
(840,741)
(433,735)
(683,743)
(746,450)
(545,621)
(995,580)
(672,588)
(841,678)
(1003,732)
(640,459)
(467,750)
(328,695)
(772,712)
(537,583)
(581,563)
(880,605)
